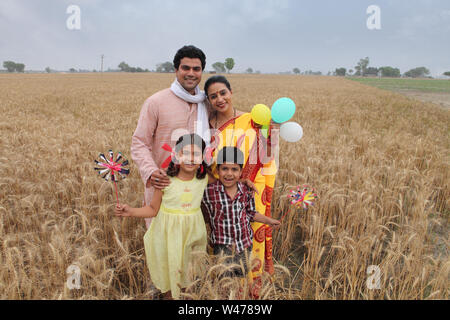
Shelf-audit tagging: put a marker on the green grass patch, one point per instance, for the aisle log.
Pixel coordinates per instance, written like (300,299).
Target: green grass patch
(395,84)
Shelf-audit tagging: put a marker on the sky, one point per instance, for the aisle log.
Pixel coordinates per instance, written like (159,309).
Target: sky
(266,35)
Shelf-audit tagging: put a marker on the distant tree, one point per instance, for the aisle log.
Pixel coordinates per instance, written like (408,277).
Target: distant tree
(124,67)
(296,70)
(219,67)
(371,71)
(350,72)
(249,70)
(20,67)
(9,65)
(229,64)
(72,70)
(341,72)
(165,67)
(417,72)
(258,72)
(390,72)
(361,67)
(48,70)
(447,73)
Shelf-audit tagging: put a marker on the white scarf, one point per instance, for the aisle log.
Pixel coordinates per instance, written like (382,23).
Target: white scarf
(202,127)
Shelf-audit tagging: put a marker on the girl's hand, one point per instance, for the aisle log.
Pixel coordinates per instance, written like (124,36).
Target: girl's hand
(123,210)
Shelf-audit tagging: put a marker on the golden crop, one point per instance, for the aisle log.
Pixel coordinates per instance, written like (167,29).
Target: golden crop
(379,162)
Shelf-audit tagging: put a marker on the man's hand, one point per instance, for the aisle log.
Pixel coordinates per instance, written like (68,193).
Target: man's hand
(158,179)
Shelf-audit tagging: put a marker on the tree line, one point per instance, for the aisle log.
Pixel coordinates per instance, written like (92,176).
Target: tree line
(12,66)
(362,69)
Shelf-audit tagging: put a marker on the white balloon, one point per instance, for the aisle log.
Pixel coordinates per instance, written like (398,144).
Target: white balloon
(291,131)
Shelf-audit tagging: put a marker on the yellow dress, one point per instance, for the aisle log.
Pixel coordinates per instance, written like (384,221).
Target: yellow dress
(177,231)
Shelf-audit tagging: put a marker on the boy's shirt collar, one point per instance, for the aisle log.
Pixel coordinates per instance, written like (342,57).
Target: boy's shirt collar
(221,188)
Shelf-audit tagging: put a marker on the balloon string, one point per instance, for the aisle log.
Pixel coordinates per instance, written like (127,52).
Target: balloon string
(281,220)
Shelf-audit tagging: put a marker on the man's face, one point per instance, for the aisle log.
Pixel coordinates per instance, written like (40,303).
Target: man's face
(189,73)
(229,174)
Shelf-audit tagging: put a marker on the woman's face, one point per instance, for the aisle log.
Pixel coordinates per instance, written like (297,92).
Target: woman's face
(219,97)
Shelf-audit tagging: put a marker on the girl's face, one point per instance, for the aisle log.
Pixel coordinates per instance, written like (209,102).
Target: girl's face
(190,157)
(219,97)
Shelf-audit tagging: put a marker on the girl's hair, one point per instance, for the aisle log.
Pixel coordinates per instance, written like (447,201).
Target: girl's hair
(215,79)
(230,155)
(186,140)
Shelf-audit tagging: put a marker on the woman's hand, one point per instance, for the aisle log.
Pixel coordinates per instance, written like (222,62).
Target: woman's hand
(123,210)
(250,184)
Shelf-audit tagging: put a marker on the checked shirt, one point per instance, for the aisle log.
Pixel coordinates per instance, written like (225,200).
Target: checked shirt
(230,218)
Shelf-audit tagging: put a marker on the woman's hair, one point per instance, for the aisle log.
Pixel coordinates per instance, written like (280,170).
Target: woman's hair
(230,155)
(187,140)
(215,79)
(189,52)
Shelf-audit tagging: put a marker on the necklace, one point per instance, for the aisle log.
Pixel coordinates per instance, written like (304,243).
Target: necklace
(234,124)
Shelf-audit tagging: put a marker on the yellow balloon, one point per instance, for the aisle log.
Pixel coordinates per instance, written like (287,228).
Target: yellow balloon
(261,114)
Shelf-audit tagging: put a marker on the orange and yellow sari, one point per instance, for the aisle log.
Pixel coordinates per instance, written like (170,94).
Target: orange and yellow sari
(260,168)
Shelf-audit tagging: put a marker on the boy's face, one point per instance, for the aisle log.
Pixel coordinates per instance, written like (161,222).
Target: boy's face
(229,174)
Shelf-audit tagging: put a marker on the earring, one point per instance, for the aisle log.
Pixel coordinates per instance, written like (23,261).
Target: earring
(201,169)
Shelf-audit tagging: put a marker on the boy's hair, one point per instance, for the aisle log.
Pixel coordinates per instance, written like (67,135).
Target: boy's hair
(230,155)
(189,52)
(186,140)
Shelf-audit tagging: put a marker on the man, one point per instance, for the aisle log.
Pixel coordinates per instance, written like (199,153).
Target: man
(176,109)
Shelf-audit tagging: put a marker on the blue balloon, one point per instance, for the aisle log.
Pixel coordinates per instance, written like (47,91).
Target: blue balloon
(283,110)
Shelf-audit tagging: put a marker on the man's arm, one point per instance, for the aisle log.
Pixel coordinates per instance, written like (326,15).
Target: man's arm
(142,140)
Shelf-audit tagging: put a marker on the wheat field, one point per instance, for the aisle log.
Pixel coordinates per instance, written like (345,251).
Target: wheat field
(379,162)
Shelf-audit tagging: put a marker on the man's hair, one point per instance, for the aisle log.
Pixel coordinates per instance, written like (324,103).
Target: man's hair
(230,155)
(189,52)
(216,79)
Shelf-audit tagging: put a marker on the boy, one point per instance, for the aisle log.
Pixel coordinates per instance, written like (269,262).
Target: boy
(230,206)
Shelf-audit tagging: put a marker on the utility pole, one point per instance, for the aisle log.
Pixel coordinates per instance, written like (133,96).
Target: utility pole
(101,70)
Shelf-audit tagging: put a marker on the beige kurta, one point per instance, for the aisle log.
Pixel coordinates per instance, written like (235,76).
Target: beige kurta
(163,119)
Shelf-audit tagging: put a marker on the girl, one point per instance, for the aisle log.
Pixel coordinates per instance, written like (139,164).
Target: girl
(179,228)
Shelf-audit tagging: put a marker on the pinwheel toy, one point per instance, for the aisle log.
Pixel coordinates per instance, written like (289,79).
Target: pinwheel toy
(301,197)
(114,169)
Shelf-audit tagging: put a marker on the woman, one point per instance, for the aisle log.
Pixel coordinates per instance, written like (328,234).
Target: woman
(236,128)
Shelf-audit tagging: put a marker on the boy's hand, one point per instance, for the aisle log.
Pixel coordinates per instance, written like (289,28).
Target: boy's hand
(275,224)
(123,210)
